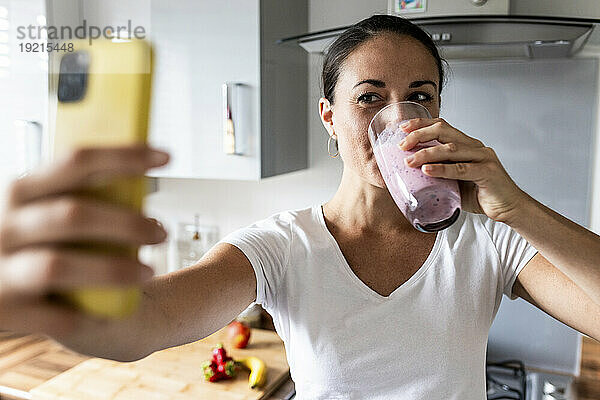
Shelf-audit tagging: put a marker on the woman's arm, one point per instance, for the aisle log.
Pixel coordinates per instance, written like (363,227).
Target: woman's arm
(177,308)
(192,303)
(567,245)
(564,278)
(45,210)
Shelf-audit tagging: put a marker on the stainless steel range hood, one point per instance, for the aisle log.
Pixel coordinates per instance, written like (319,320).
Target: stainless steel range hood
(486,37)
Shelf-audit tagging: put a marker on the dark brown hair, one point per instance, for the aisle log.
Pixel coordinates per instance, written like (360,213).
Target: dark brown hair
(367,29)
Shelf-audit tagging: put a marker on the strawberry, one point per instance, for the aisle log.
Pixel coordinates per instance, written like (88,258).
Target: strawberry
(220,366)
(227,369)
(209,369)
(219,354)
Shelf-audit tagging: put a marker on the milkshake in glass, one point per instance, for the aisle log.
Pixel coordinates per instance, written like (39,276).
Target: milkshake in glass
(430,204)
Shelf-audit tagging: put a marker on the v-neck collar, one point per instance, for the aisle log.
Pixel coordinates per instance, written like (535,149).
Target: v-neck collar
(317,211)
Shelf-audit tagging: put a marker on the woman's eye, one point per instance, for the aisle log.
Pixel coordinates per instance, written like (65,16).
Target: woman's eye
(367,98)
(421,97)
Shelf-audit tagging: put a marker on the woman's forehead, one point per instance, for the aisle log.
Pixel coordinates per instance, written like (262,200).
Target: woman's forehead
(390,58)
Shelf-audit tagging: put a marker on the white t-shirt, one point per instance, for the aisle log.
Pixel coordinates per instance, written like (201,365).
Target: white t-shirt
(426,340)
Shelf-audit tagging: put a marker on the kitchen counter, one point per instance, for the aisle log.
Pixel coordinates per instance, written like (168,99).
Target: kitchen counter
(27,361)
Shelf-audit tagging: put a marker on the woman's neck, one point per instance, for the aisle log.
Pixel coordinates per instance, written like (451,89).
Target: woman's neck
(361,207)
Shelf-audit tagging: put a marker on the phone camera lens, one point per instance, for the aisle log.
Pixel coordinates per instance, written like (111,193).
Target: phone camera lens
(72,80)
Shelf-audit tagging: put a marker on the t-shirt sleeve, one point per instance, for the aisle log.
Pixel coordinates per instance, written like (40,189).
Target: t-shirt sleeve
(266,244)
(513,250)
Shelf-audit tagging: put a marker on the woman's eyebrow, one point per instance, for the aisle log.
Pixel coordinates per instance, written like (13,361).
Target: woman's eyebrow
(417,84)
(374,82)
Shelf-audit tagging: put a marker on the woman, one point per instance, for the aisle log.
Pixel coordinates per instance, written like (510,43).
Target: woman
(368,307)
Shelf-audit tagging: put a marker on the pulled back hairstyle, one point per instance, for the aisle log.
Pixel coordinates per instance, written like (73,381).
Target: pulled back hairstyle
(367,29)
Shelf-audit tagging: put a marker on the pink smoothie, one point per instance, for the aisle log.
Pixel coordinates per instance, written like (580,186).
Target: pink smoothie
(421,198)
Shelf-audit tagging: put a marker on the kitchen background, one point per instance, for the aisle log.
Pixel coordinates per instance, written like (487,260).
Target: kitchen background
(540,116)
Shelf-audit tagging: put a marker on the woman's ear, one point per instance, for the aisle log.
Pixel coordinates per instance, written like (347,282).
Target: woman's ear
(326,114)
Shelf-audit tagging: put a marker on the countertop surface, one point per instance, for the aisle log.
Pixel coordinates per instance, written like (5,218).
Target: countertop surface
(27,361)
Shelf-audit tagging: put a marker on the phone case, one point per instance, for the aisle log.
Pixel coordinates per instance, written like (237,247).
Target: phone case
(104,101)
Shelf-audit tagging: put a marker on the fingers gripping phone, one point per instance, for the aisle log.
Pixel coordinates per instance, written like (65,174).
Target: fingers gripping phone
(103,101)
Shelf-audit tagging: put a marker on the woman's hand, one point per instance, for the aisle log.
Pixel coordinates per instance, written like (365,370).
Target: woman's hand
(43,212)
(485,186)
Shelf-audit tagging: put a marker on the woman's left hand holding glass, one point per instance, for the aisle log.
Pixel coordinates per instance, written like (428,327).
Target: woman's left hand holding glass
(485,186)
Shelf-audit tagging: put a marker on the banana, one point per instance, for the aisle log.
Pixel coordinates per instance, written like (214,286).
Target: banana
(258,371)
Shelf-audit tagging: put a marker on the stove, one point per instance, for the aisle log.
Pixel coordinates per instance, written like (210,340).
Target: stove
(511,380)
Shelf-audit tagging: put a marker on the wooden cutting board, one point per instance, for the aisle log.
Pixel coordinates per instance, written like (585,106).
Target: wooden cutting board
(174,373)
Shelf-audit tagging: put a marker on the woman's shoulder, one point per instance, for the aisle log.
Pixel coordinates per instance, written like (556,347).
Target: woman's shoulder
(288,216)
(279,230)
(286,221)
(467,225)
(295,215)
(482,221)
(478,227)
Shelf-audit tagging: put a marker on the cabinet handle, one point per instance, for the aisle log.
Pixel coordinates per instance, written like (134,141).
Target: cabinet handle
(29,142)
(230,136)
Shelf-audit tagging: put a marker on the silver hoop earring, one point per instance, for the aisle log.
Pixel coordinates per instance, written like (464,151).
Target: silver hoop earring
(329,147)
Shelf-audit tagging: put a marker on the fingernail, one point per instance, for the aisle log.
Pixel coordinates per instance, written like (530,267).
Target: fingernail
(157,222)
(160,234)
(404,125)
(158,157)
(157,232)
(402,142)
(409,159)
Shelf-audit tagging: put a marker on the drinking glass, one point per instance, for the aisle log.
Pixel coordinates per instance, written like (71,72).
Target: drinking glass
(429,204)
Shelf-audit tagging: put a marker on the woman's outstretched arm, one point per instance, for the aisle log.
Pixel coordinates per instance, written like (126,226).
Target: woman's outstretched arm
(45,210)
(177,308)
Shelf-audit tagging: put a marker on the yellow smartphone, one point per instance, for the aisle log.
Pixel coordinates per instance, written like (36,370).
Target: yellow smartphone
(103,95)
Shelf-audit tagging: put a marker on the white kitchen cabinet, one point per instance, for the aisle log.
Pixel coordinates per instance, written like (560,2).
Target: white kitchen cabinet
(23,89)
(201,45)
